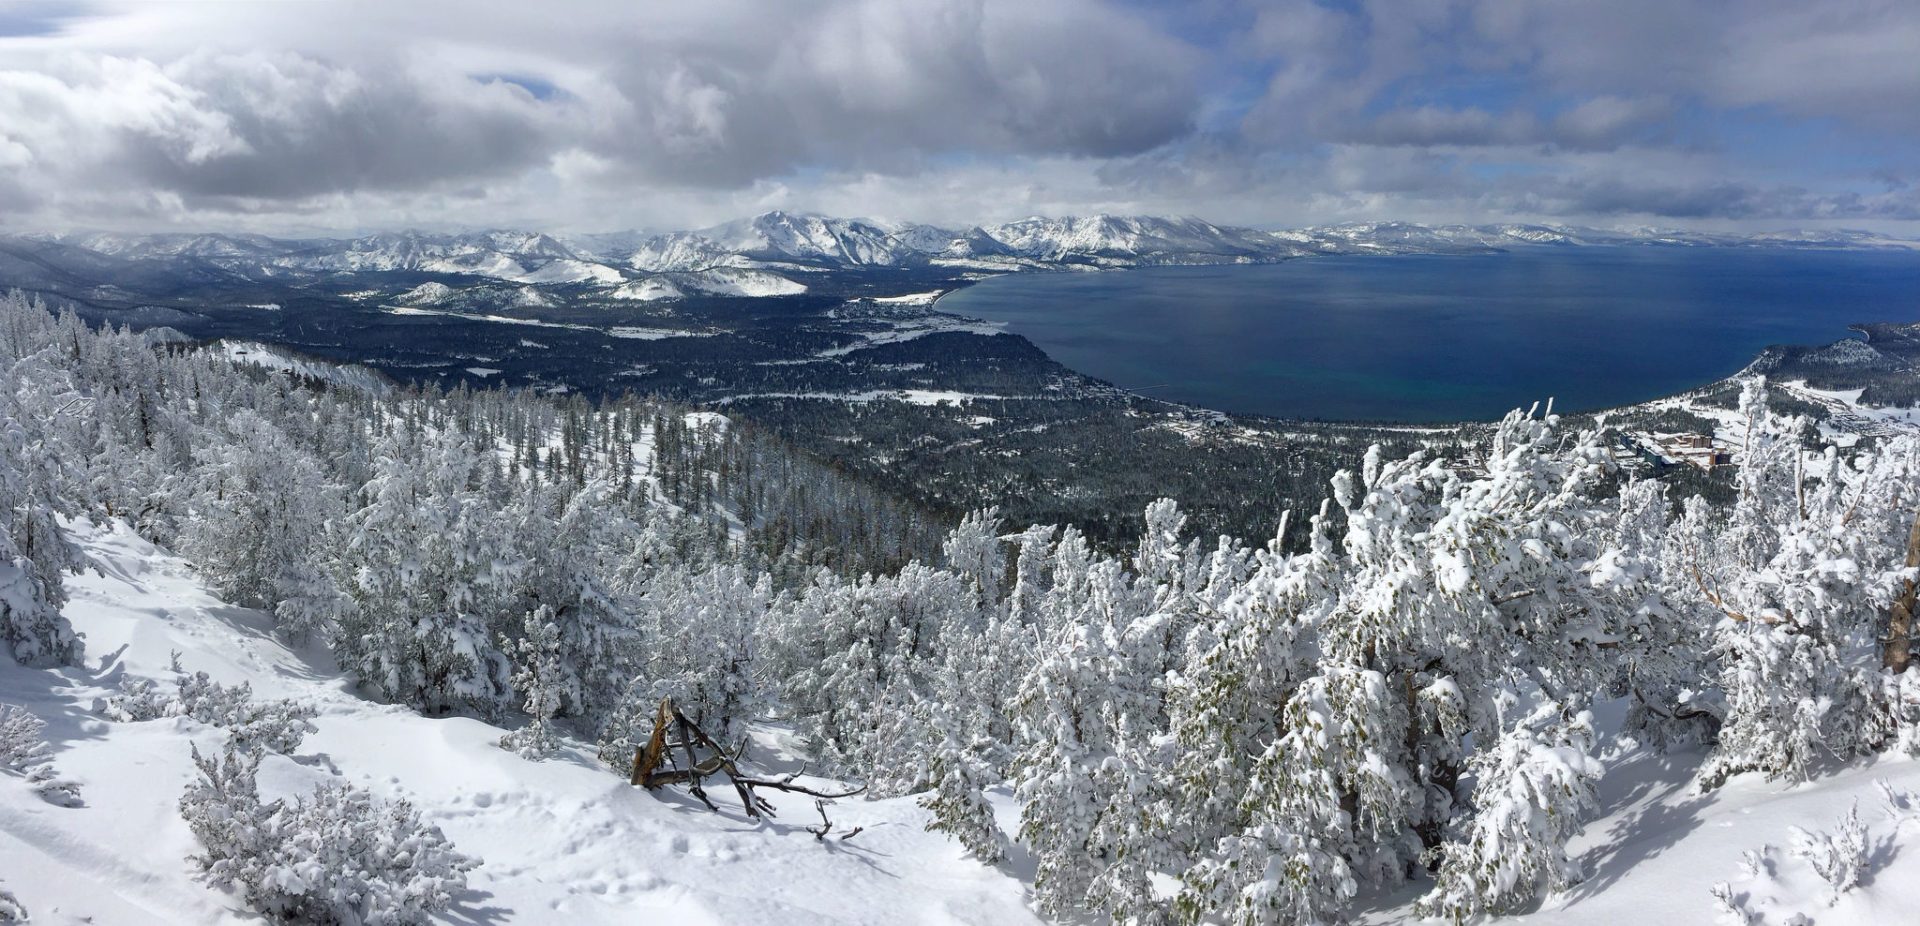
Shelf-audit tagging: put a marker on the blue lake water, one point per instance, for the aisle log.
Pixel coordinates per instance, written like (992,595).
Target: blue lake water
(1445,338)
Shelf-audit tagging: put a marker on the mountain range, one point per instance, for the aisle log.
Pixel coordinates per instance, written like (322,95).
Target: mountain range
(775,253)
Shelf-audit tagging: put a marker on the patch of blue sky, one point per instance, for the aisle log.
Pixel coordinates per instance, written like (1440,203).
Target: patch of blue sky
(1457,88)
(542,90)
(1761,137)
(1230,93)
(28,18)
(1494,170)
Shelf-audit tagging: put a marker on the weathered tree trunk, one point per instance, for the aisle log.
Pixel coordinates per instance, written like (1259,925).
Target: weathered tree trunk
(647,759)
(659,749)
(1898,652)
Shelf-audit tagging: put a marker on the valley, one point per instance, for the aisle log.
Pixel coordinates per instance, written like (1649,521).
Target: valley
(827,333)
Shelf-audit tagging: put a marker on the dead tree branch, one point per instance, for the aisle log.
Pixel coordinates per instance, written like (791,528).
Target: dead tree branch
(648,759)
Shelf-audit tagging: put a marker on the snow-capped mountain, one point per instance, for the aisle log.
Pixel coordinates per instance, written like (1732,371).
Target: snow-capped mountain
(766,255)
(777,239)
(716,281)
(517,256)
(1139,239)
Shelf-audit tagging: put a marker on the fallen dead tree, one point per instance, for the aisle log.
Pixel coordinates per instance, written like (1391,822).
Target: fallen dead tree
(655,765)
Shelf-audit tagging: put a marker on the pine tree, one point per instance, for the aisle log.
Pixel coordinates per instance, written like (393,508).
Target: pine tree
(540,681)
(33,554)
(1531,790)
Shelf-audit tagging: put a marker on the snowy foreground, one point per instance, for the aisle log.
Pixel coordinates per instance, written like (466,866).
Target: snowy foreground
(563,838)
(568,838)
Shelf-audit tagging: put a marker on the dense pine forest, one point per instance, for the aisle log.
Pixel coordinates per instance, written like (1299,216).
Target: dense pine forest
(1248,730)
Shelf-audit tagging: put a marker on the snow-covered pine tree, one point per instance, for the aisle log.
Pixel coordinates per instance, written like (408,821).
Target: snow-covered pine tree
(540,680)
(1531,790)
(258,516)
(1226,710)
(1796,586)
(33,554)
(962,766)
(426,565)
(339,856)
(1086,716)
(1456,583)
(277,726)
(698,635)
(1058,775)
(24,752)
(974,549)
(856,661)
(575,558)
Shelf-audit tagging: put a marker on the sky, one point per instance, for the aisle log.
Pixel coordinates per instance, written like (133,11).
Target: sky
(313,118)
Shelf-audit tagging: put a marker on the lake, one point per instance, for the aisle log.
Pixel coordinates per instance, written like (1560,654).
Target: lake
(1445,338)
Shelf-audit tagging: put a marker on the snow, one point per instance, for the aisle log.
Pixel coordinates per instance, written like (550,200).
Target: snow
(631,332)
(913,298)
(638,333)
(648,290)
(1657,847)
(909,396)
(279,358)
(1850,415)
(482,372)
(569,271)
(716,281)
(909,329)
(427,294)
(496,319)
(567,839)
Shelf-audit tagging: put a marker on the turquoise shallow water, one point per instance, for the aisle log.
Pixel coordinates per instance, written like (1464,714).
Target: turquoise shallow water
(1438,338)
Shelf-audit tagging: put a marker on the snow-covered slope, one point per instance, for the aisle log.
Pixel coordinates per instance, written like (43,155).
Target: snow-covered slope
(1659,847)
(1138,239)
(779,237)
(569,839)
(854,242)
(282,360)
(563,840)
(717,281)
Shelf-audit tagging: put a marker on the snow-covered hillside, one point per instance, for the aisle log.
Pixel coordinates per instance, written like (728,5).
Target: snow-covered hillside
(1484,656)
(281,360)
(564,839)
(569,838)
(716,281)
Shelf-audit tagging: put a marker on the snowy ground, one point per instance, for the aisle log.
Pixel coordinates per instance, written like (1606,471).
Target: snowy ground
(281,359)
(565,838)
(1658,848)
(908,329)
(1850,415)
(570,839)
(909,396)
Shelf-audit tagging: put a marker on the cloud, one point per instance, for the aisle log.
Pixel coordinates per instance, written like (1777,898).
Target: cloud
(357,114)
(842,85)
(889,86)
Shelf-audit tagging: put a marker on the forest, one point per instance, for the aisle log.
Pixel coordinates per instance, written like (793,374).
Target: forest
(1395,684)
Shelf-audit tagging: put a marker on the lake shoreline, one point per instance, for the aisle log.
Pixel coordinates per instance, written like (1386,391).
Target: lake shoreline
(1782,321)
